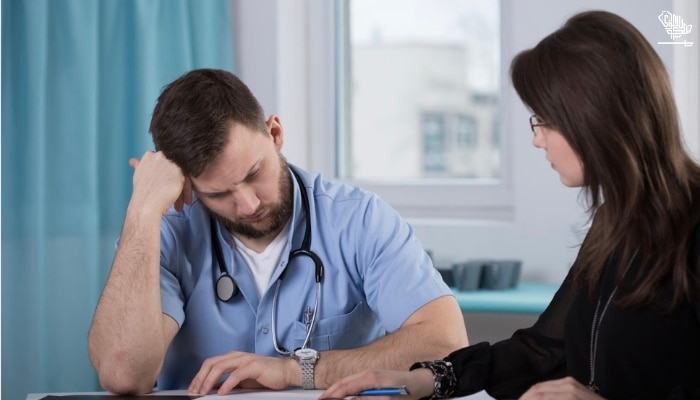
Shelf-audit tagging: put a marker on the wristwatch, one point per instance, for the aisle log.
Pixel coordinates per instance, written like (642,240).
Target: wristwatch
(307,360)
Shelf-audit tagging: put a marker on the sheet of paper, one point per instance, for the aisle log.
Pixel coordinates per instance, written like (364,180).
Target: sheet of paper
(291,394)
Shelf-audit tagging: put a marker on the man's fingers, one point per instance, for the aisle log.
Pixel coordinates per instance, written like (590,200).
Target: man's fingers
(179,204)
(212,370)
(185,196)
(187,191)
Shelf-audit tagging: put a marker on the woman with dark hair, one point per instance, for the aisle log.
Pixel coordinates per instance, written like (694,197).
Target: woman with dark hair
(625,323)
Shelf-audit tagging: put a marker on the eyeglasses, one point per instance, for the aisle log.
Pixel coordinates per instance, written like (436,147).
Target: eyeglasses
(535,121)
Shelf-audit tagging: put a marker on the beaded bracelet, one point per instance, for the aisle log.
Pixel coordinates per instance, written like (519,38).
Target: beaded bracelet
(443,375)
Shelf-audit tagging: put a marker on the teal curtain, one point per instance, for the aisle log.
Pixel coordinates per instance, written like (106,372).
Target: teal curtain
(79,82)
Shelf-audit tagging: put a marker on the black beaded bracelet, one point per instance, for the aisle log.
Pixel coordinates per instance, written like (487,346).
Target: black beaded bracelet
(443,375)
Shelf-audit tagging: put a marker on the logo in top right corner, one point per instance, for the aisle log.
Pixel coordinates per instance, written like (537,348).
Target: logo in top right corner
(675,27)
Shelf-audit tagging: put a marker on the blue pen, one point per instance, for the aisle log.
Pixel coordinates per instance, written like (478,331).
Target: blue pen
(384,391)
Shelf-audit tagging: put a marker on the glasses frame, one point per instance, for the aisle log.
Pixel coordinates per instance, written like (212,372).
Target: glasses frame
(535,122)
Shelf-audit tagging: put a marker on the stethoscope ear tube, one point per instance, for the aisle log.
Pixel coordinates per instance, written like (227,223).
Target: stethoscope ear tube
(318,264)
(226,288)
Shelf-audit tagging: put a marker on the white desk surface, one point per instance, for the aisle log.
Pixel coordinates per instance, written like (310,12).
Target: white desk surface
(292,394)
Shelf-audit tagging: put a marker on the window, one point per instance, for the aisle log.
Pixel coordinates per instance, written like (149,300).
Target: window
(417,89)
(307,77)
(406,56)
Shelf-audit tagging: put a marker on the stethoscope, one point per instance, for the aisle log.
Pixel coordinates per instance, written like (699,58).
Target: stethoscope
(226,288)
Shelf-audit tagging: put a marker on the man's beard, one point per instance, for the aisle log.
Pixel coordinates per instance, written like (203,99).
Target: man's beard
(279,213)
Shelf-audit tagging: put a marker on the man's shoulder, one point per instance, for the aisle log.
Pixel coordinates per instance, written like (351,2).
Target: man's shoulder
(347,202)
(333,188)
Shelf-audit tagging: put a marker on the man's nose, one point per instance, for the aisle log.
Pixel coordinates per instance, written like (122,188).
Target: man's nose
(246,201)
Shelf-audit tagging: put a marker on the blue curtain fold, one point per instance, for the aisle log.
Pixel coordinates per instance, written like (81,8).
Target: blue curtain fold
(79,82)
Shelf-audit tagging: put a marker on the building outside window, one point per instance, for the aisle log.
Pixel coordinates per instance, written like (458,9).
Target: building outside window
(422,91)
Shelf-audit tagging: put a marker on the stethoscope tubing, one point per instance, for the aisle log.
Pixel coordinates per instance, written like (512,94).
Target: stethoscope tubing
(310,327)
(226,288)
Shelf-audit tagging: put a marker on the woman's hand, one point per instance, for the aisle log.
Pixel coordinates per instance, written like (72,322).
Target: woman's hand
(419,383)
(565,388)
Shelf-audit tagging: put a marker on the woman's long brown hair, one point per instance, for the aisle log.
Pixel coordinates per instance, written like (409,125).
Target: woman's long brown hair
(602,85)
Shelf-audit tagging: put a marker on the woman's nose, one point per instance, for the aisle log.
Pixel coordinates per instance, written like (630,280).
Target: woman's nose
(537,140)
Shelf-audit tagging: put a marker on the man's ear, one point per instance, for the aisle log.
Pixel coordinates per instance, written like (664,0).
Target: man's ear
(274,127)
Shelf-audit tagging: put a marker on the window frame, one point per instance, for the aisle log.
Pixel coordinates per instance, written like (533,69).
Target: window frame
(480,199)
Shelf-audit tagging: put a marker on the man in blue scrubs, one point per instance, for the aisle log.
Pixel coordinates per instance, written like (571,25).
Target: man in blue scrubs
(216,201)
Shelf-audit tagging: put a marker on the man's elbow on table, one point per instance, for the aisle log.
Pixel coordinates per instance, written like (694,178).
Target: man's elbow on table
(126,385)
(117,379)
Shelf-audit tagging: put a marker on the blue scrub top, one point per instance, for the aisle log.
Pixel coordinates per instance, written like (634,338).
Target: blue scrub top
(376,275)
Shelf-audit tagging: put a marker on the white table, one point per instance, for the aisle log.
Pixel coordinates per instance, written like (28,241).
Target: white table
(293,394)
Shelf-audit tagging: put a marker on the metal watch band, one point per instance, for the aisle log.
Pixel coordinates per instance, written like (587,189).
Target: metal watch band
(306,358)
(307,373)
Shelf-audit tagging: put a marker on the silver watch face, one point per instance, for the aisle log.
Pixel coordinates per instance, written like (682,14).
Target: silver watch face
(305,354)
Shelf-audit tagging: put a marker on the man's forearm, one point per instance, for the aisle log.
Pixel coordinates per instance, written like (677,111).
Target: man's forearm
(126,340)
(436,332)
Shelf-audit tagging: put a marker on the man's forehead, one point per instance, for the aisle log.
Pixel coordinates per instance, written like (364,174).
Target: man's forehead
(224,176)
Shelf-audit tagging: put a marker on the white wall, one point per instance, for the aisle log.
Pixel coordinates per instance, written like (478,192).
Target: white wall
(278,44)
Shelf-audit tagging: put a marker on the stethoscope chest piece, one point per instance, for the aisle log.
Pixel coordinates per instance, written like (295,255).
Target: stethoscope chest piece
(226,288)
